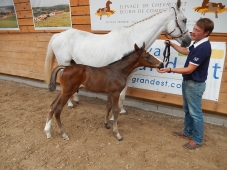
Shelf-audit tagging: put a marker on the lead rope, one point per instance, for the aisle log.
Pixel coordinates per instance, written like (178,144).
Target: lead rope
(166,56)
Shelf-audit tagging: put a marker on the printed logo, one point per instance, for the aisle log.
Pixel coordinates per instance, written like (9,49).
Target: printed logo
(211,7)
(106,11)
(196,59)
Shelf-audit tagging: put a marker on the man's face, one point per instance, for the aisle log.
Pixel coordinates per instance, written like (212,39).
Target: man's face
(198,33)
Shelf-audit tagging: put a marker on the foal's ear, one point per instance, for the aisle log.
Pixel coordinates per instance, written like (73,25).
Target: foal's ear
(136,47)
(143,47)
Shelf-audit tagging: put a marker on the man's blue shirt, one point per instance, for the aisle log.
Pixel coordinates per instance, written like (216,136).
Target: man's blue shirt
(199,55)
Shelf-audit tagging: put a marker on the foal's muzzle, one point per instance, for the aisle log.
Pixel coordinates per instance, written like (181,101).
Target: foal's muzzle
(161,65)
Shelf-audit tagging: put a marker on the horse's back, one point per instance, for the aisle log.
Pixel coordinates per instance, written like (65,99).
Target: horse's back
(64,43)
(88,48)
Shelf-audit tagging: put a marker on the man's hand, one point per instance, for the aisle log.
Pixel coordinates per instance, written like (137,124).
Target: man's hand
(164,70)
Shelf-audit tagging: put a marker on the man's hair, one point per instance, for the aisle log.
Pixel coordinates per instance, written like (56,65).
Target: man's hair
(206,24)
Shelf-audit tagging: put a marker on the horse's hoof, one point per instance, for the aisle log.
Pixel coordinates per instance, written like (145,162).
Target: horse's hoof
(48,136)
(65,137)
(122,111)
(120,139)
(111,121)
(107,126)
(70,107)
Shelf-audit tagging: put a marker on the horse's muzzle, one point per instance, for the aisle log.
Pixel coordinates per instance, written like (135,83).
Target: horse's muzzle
(161,65)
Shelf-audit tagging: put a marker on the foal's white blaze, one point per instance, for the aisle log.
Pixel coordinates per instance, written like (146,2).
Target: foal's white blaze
(47,129)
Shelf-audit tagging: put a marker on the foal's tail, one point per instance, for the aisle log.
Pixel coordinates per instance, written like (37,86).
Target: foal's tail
(49,60)
(52,85)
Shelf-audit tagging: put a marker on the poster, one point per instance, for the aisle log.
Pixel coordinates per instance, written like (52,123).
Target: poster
(52,15)
(150,79)
(8,16)
(107,15)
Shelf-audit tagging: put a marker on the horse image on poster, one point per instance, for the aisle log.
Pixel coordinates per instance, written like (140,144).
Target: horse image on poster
(100,50)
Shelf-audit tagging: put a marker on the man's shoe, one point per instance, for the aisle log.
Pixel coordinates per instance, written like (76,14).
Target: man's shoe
(191,145)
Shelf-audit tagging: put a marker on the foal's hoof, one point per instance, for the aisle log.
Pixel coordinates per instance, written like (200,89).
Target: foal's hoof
(120,139)
(48,134)
(107,126)
(122,111)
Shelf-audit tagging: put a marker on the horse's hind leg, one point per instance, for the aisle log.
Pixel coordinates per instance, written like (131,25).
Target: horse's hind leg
(57,116)
(62,101)
(49,117)
(108,109)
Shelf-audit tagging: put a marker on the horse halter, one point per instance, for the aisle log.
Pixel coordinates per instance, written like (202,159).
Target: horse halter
(177,26)
(166,54)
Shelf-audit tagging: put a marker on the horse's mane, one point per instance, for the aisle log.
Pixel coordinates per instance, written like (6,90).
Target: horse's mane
(143,19)
(124,56)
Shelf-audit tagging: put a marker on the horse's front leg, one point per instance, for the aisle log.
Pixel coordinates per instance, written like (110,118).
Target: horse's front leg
(123,92)
(108,109)
(122,99)
(115,111)
(120,102)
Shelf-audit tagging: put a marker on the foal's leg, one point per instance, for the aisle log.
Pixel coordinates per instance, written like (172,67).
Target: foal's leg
(50,115)
(108,109)
(75,97)
(62,101)
(120,102)
(115,111)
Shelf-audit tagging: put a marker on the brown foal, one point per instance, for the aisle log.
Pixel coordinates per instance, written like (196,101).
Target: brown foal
(109,79)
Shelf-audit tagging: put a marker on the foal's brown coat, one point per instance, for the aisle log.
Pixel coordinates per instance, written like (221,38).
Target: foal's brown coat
(110,79)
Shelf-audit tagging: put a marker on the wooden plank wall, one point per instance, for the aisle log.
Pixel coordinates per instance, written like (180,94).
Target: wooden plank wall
(22,53)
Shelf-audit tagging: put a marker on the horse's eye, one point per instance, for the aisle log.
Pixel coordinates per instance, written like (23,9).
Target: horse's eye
(185,21)
(148,57)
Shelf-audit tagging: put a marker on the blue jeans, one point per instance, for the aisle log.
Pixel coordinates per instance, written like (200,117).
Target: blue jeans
(192,104)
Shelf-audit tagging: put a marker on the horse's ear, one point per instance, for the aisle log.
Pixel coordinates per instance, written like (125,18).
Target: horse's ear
(178,4)
(136,47)
(143,47)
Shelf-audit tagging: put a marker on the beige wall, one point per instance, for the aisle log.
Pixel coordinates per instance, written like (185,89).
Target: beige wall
(22,53)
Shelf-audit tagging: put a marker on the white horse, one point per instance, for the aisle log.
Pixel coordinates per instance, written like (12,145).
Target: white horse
(100,50)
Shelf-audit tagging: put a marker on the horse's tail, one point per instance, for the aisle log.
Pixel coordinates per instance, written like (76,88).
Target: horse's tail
(52,85)
(49,60)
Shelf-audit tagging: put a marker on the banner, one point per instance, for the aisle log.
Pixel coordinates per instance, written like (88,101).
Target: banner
(8,16)
(52,15)
(107,15)
(150,79)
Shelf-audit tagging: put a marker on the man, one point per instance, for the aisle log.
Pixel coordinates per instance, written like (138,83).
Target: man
(194,76)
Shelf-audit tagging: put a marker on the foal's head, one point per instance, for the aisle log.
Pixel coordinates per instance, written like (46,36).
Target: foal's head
(146,59)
